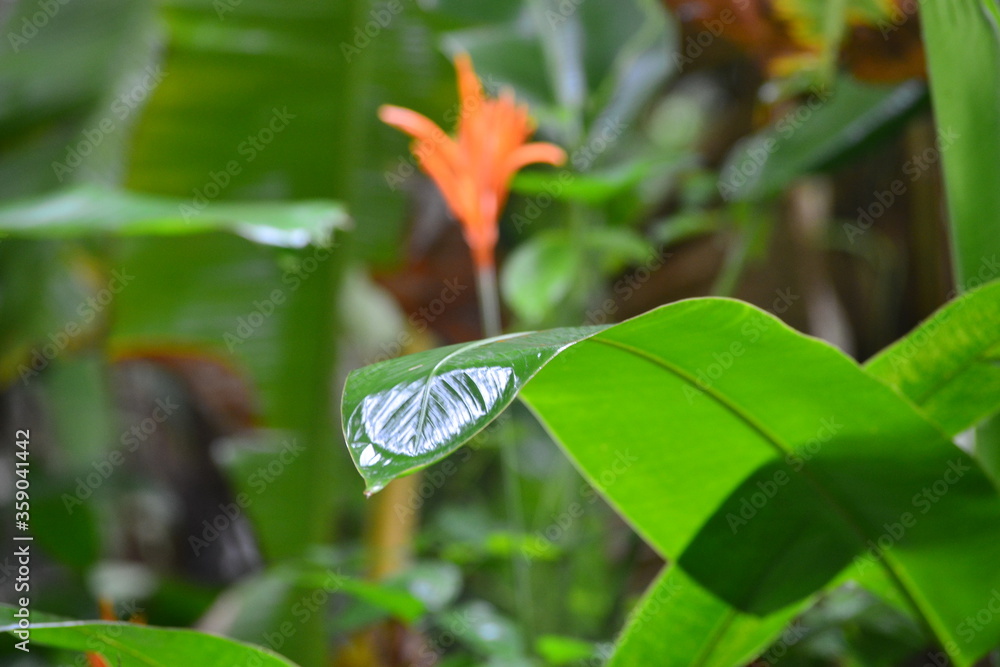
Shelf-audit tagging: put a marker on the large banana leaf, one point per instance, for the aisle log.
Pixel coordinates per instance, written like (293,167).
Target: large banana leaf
(773,414)
(89,210)
(260,102)
(965,102)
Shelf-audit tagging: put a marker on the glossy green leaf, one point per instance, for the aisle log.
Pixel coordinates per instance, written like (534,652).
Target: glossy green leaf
(747,384)
(949,366)
(680,624)
(404,414)
(758,399)
(946,368)
(829,126)
(84,210)
(132,645)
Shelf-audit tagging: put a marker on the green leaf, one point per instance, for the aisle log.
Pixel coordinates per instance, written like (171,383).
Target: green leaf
(955,34)
(90,210)
(482,628)
(680,624)
(132,645)
(393,600)
(403,414)
(670,427)
(825,130)
(593,188)
(539,274)
(965,98)
(543,271)
(949,366)
(556,650)
(60,81)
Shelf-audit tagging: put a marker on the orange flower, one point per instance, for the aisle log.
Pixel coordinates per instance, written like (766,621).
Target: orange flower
(474,170)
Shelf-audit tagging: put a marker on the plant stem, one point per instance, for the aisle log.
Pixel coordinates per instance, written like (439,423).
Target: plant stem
(489,301)
(489,309)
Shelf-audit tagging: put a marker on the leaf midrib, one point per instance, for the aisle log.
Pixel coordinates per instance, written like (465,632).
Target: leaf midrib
(948,377)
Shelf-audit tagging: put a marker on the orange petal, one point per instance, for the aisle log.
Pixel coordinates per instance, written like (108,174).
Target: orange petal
(448,179)
(533,153)
(416,125)
(437,152)
(470,88)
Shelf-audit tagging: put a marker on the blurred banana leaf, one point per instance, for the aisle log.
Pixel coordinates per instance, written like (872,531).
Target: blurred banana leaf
(72,81)
(832,126)
(966,99)
(89,210)
(133,645)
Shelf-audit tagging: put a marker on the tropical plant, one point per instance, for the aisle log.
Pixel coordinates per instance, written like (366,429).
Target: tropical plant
(205,226)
